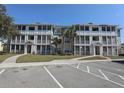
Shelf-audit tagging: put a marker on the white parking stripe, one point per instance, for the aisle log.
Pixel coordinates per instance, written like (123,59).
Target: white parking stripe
(88,69)
(109,72)
(103,74)
(78,65)
(53,77)
(121,77)
(100,77)
(2,71)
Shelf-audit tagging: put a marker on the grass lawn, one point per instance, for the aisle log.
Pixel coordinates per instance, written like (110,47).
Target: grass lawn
(5,56)
(42,58)
(94,58)
(116,57)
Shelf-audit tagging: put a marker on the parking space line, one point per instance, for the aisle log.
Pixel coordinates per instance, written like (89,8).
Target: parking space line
(103,74)
(58,83)
(2,71)
(99,76)
(78,65)
(107,72)
(88,69)
(121,77)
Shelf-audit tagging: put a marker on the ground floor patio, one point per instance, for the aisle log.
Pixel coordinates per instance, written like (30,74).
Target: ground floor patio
(78,50)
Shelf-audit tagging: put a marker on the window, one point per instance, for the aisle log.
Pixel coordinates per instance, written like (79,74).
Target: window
(77,27)
(87,50)
(104,49)
(86,28)
(19,27)
(44,27)
(22,37)
(77,48)
(38,37)
(31,37)
(31,28)
(87,38)
(23,27)
(118,33)
(82,28)
(108,28)
(39,27)
(38,47)
(95,38)
(48,37)
(113,28)
(103,28)
(95,29)
(49,27)
(43,37)
(13,37)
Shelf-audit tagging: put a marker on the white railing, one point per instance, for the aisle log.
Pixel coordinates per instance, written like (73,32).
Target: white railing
(96,33)
(96,43)
(37,32)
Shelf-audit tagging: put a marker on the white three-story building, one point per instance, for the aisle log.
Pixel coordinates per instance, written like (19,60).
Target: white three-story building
(91,39)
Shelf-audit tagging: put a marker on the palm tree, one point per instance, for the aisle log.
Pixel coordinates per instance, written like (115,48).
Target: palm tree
(71,34)
(62,36)
(56,41)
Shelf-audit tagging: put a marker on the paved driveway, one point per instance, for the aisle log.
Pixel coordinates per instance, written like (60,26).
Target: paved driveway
(78,75)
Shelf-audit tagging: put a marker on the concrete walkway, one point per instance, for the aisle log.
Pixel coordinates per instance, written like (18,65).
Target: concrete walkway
(11,62)
(12,59)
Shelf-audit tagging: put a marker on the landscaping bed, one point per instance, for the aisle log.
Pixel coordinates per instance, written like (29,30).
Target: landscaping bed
(42,58)
(94,58)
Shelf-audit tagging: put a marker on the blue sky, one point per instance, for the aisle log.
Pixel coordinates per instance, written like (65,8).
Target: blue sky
(68,14)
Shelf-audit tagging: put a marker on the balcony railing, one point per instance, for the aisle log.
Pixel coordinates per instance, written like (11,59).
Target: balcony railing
(13,41)
(96,33)
(38,41)
(37,32)
(104,42)
(96,43)
(22,41)
(43,41)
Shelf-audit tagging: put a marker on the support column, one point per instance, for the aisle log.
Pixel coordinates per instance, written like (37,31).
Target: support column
(90,39)
(25,51)
(35,39)
(80,47)
(26,38)
(84,39)
(15,39)
(107,40)
(94,50)
(10,48)
(15,49)
(19,48)
(79,39)
(46,39)
(40,49)
(107,51)
(112,51)
(35,49)
(74,51)
(20,38)
(117,50)
(101,50)
(45,49)
(41,39)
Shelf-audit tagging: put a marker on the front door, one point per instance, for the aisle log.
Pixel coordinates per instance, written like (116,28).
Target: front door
(97,50)
(28,48)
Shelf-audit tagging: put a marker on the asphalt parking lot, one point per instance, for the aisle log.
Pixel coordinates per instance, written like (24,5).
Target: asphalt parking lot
(79,75)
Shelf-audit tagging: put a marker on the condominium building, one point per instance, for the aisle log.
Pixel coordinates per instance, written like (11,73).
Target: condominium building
(91,39)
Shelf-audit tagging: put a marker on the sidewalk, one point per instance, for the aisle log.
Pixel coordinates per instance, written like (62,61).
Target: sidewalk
(11,59)
(11,62)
